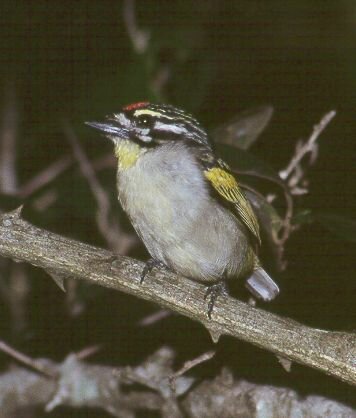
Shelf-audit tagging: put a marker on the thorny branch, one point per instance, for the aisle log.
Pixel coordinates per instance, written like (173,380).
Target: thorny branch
(320,357)
(331,352)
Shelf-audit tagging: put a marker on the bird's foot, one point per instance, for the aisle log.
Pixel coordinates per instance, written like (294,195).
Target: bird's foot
(150,264)
(213,292)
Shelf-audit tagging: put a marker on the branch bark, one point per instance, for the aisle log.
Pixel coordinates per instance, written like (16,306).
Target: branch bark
(331,352)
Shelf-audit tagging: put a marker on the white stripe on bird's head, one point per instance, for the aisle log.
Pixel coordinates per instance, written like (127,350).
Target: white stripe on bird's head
(176,129)
(150,112)
(122,119)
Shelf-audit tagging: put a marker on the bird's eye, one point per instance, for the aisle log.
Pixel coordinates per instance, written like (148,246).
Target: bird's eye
(144,121)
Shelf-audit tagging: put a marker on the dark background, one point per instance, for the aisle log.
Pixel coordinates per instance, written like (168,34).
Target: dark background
(74,61)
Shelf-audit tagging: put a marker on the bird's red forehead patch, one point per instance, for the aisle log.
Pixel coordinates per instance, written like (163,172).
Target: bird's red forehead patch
(135,106)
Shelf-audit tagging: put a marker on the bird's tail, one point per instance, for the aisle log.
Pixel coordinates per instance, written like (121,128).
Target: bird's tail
(261,285)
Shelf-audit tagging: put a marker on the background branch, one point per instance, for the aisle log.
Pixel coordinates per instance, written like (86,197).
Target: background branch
(118,240)
(331,352)
(114,390)
(8,132)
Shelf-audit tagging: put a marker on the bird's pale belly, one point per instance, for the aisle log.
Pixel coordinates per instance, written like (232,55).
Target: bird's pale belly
(183,226)
(204,243)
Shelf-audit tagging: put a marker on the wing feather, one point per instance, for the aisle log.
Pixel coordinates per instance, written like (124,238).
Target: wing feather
(221,179)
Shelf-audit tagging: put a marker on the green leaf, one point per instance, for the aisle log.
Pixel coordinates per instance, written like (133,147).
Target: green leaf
(243,130)
(341,226)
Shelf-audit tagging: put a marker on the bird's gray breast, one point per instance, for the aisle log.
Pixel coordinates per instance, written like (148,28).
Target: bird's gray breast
(168,202)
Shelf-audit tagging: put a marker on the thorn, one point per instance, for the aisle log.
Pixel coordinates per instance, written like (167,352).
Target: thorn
(285,363)
(10,217)
(214,334)
(57,278)
(17,212)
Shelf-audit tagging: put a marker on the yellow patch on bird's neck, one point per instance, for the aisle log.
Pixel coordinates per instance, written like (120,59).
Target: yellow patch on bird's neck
(127,153)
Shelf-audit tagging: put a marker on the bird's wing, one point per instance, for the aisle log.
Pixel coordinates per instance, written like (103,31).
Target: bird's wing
(222,181)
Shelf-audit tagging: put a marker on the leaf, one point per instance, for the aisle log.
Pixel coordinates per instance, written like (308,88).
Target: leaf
(268,217)
(243,130)
(302,216)
(341,226)
(243,162)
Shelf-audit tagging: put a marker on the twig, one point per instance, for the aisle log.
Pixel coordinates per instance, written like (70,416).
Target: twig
(140,41)
(44,201)
(155,317)
(160,79)
(117,239)
(17,297)
(188,365)
(17,284)
(8,172)
(105,161)
(280,235)
(28,361)
(138,37)
(308,147)
(45,176)
(88,351)
(295,176)
(333,353)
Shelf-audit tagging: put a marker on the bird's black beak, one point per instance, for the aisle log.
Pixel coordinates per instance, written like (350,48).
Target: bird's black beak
(110,129)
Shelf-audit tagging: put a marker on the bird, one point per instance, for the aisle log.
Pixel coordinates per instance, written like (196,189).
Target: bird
(184,202)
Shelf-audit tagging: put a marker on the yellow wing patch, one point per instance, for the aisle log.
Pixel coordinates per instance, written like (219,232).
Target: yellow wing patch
(226,185)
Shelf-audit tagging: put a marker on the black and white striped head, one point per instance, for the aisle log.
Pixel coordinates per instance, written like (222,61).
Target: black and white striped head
(150,125)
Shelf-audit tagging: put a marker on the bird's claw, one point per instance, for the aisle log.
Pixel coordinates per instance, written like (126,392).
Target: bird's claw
(213,292)
(150,264)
